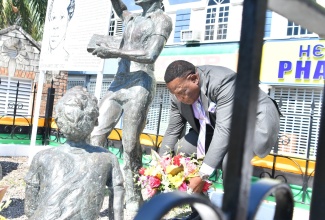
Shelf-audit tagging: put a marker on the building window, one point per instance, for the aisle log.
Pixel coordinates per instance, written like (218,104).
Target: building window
(217,20)
(76,82)
(105,85)
(116,25)
(296,30)
(15,93)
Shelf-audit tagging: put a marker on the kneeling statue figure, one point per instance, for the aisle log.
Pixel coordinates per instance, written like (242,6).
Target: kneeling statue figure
(69,181)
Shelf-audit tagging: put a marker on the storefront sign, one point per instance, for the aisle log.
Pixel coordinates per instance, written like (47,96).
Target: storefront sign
(298,62)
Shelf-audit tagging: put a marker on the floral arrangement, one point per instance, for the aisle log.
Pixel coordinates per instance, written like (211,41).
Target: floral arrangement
(167,174)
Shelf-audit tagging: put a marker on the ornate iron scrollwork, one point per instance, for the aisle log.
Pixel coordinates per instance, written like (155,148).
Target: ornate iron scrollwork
(283,197)
(207,211)
(160,205)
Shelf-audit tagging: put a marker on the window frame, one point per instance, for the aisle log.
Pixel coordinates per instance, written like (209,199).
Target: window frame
(115,26)
(217,26)
(299,29)
(8,89)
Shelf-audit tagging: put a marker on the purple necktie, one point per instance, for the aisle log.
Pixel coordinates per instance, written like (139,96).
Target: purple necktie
(200,115)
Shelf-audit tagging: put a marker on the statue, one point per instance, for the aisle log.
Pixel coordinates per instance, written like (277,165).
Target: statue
(133,87)
(69,181)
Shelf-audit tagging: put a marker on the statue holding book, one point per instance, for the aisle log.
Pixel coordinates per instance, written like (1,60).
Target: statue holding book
(134,85)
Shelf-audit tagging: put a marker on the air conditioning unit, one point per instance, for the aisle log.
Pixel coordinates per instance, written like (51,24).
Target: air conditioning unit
(190,36)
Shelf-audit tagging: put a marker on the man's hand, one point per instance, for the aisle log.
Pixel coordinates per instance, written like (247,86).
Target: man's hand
(196,184)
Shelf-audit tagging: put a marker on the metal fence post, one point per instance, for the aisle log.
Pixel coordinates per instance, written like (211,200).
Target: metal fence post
(317,206)
(159,118)
(239,170)
(48,114)
(305,179)
(32,115)
(15,110)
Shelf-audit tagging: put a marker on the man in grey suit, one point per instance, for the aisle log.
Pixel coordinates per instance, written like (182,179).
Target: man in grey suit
(203,96)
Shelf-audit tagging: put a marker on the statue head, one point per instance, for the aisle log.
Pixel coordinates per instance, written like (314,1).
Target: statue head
(76,114)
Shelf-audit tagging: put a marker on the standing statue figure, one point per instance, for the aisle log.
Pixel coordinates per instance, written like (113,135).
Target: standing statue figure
(68,182)
(133,87)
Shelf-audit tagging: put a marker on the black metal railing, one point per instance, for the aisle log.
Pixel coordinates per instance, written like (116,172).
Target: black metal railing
(10,127)
(16,127)
(301,174)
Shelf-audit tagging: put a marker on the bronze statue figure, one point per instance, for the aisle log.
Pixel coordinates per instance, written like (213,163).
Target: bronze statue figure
(69,181)
(133,87)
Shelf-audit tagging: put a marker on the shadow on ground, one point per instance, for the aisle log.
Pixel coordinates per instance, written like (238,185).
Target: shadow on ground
(15,209)
(8,167)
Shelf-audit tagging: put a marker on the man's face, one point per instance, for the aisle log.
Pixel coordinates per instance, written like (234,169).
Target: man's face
(58,22)
(186,89)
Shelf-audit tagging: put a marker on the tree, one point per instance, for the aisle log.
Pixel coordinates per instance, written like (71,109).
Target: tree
(29,14)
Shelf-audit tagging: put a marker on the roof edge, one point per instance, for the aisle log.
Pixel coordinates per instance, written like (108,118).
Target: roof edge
(21,30)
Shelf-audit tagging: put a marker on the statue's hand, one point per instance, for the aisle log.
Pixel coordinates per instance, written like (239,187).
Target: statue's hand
(104,50)
(102,43)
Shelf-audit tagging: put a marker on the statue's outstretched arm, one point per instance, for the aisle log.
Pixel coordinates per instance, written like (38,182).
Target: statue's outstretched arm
(120,8)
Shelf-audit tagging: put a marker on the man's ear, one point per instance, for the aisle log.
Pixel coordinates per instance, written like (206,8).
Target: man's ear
(195,78)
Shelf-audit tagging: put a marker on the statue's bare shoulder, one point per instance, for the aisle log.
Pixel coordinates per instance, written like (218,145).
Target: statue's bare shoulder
(164,25)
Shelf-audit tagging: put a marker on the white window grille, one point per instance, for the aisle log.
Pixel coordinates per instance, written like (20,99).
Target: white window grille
(92,85)
(161,100)
(116,25)
(162,97)
(8,91)
(296,30)
(295,125)
(217,17)
(76,82)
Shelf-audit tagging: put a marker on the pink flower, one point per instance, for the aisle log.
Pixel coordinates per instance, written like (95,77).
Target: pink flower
(183,187)
(165,161)
(177,160)
(150,191)
(142,170)
(154,182)
(191,167)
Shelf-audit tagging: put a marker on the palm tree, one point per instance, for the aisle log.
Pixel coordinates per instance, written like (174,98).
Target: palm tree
(29,14)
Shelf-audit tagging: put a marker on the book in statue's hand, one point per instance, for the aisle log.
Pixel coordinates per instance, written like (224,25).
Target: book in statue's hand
(93,43)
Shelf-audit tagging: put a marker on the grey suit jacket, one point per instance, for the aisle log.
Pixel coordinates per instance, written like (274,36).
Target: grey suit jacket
(217,89)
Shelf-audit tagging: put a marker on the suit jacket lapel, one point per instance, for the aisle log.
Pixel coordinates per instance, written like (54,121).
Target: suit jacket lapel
(204,98)
(188,113)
